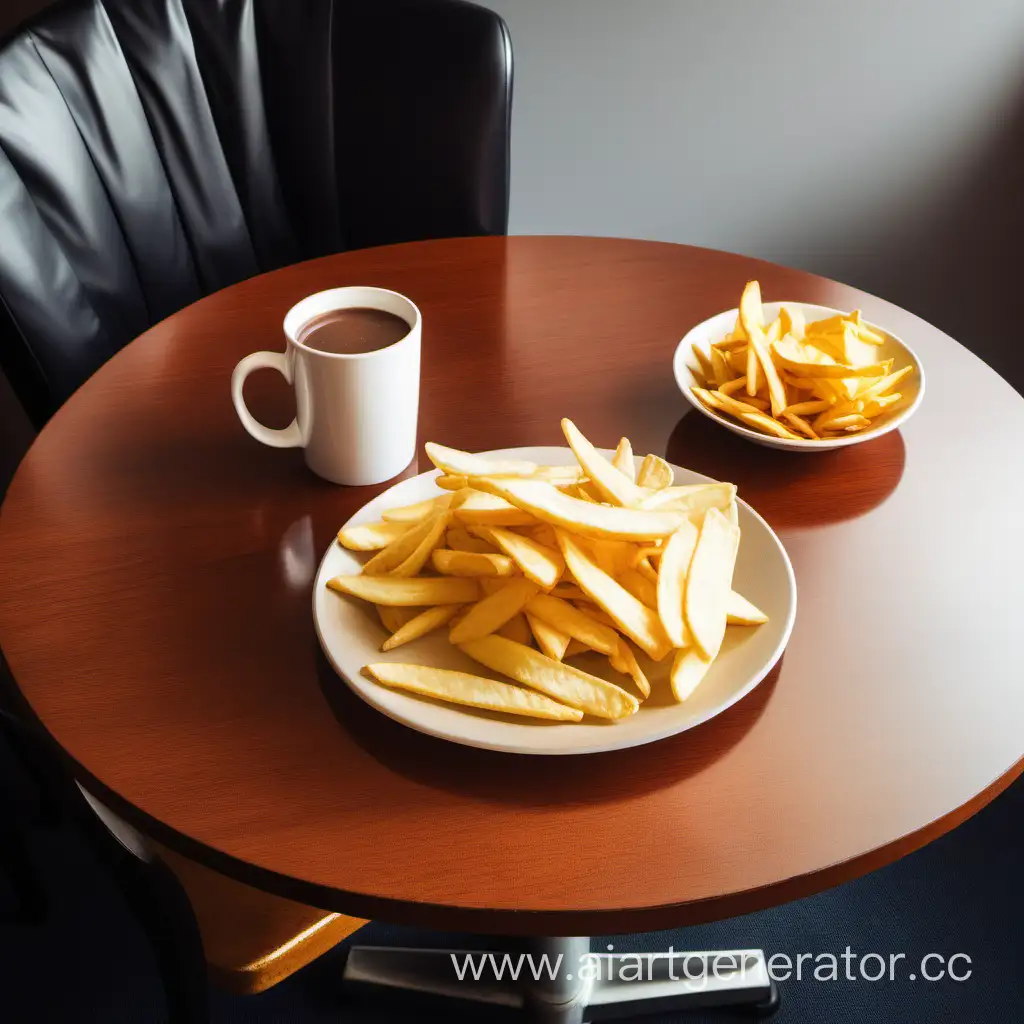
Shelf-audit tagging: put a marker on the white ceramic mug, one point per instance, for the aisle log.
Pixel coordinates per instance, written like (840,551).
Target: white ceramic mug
(355,413)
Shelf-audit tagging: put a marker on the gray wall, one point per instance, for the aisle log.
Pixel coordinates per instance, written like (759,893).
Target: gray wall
(876,141)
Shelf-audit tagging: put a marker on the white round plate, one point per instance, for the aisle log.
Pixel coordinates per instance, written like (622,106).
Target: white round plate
(684,364)
(351,634)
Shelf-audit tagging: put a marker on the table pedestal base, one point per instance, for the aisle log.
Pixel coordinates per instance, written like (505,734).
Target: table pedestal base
(560,981)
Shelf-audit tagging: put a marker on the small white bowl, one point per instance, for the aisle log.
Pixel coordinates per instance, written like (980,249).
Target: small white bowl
(684,363)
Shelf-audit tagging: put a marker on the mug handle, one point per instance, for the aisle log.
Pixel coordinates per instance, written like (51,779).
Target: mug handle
(287,437)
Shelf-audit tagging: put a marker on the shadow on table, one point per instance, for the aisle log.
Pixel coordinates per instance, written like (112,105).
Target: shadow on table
(792,489)
(541,780)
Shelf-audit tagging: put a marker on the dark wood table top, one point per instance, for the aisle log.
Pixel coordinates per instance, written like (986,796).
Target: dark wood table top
(155,609)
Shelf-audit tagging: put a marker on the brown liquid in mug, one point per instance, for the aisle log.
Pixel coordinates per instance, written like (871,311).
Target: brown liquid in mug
(350,331)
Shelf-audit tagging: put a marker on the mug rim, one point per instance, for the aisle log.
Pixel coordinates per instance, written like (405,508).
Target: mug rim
(291,336)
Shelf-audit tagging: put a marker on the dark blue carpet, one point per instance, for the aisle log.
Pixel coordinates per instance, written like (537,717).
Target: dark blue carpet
(963,894)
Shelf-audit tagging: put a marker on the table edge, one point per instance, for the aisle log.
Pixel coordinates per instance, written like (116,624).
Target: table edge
(529,922)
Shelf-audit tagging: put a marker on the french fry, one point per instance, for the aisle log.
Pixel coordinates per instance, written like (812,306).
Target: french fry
(752,318)
(801,383)
(735,406)
(640,623)
(808,408)
(625,662)
(736,360)
(613,556)
(732,513)
(494,510)
(371,536)
(418,512)
(575,648)
(543,534)
(517,629)
(753,375)
(752,416)
(612,484)
(394,590)
(692,498)
(399,551)
(710,398)
(736,386)
(597,614)
(459,539)
(800,424)
(451,483)
(868,336)
(651,553)
(545,502)
(830,325)
(875,406)
(751,313)
(768,425)
(655,473)
(623,460)
(421,555)
(792,321)
(776,389)
(559,475)
(887,383)
(675,564)
(846,422)
(493,611)
(709,582)
(553,642)
(393,619)
(730,344)
(561,682)
(470,563)
(472,691)
(570,620)
(688,669)
(459,463)
(639,586)
(704,362)
(740,612)
(567,591)
(738,334)
(721,371)
(836,411)
(420,625)
(541,564)
(491,585)
(644,568)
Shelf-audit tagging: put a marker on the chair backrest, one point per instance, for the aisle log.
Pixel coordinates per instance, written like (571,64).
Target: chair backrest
(152,151)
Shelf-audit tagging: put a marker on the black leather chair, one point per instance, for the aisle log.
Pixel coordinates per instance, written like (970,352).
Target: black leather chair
(152,151)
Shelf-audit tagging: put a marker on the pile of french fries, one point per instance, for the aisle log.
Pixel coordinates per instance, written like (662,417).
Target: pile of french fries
(528,566)
(797,380)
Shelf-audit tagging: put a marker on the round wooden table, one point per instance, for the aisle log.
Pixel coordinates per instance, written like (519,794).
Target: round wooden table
(155,609)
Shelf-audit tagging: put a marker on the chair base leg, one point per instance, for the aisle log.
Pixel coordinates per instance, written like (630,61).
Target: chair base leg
(771,1005)
(560,981)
